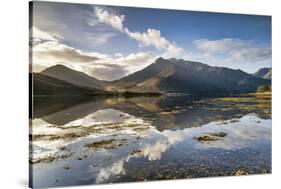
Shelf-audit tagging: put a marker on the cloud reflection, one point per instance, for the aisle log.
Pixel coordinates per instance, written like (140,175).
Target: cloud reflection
(114,124)
(241,133)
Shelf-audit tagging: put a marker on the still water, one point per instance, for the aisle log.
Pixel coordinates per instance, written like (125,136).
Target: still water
(77,141)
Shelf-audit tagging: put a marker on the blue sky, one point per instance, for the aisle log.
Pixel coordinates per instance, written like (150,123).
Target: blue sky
(110,42)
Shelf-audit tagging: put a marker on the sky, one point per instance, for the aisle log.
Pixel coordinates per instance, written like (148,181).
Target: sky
(109,42)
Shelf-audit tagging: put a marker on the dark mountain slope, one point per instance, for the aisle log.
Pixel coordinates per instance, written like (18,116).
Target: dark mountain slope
(189,77)
(75,77)
(45,85)
(264,73)
(152,71)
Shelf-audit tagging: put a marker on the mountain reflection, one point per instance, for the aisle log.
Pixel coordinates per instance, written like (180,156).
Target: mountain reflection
(165,113)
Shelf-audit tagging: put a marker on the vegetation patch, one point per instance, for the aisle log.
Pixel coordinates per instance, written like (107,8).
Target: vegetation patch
(133,125)
(140,129)
(57,137)
(106,144)
(99,144)
(259,103)
(234,120)
(219,134)
(206,138)
(240,173)
(209,137)
(48,159)
(264,88)
(136,152)
(265,171)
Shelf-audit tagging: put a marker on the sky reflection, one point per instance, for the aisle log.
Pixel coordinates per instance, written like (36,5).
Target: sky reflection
(149,142)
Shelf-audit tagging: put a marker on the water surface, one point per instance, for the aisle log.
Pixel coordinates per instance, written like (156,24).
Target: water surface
(78,141)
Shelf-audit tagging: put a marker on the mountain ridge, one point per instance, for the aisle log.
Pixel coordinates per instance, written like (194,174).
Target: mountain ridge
(46,85)
(265,73)
(178,75)
(64,73)
(168,75)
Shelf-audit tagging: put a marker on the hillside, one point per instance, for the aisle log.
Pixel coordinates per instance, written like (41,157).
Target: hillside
(71,76)
(162,76)
(264,73)
(178,75)
(45,85)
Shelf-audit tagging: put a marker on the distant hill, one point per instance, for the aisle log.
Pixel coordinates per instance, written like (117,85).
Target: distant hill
(46,85)
(71,76)
(264,73)
(178,75)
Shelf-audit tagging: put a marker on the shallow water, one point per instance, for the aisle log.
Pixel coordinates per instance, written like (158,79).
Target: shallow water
(90,141)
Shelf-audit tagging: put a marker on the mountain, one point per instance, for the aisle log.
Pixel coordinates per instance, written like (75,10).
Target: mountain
(164,75)
(178,75)
(264,73)
(71,76)
(46,85)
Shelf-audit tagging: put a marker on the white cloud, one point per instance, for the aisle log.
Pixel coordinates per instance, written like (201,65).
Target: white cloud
(151,37)
(101,38)
(116,169)
(172,51)
(251,55)
(105,71)
(231,52)
(148,38)
(39,35)
(56,52)
(118,66)
(168,138)
(110,19)
(101,66)
(221,45)
(135,61)
(50,53)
